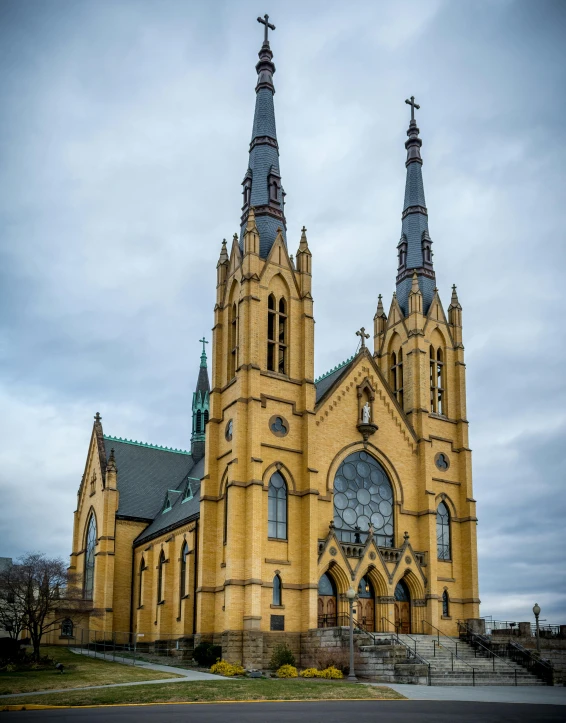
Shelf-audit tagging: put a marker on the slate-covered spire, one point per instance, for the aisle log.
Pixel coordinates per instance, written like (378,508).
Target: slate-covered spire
(201,406)
(414,249)
(262,188)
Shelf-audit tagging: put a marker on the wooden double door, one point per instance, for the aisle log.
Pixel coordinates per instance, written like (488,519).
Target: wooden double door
(327,617)
(365,613)
(402,616)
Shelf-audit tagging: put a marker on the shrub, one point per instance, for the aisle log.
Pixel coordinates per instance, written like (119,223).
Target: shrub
(206,654)
(335,658)
(331,673)
(282,655)
(10,668)
(287,671)
(309,673)
(222,667)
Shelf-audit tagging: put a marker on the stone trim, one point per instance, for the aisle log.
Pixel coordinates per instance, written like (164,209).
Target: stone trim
(282,449)
(276,562)
(447,481)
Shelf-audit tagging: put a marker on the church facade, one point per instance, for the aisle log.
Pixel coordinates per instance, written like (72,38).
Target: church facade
(295,489)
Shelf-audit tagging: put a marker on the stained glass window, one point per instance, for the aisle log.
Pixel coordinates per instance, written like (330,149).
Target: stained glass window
(443,532)
(89,559)
(445,604)
(326,585)
(184,554)
(277,507)
(402,592)
(364,588)
(363,496)
(140,594)
(160,580)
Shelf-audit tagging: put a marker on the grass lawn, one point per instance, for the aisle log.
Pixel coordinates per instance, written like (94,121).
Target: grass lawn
(210,690)
(80,670)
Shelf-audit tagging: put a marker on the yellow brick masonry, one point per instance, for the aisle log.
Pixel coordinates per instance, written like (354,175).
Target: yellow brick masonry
(235,561)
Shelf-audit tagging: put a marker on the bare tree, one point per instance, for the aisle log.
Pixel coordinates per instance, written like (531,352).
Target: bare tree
(39,593)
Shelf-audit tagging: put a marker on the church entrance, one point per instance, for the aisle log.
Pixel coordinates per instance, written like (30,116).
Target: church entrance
(402,608)
(365,613)
(327,602)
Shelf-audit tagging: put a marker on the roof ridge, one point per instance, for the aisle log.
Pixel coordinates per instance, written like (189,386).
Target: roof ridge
(335,369)
(146,444)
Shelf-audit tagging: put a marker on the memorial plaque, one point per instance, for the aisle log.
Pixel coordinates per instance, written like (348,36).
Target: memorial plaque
(277,622)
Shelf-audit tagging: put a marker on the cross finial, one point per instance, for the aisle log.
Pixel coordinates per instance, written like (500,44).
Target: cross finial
(97,418)
(413,106)
(203,341)
(363,336)
(268,26)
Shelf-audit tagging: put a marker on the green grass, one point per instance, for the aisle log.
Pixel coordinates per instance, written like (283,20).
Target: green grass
(80,671)
(211,690)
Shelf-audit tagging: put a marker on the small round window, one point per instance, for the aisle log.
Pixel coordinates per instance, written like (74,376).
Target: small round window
(442,461)
(279,425)
(229,429)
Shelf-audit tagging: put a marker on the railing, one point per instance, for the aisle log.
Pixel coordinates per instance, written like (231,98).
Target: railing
(543,669)
(511,626)
(412,652)
(482,645)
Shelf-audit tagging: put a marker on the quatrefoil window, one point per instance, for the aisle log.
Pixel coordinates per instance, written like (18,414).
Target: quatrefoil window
(279,425)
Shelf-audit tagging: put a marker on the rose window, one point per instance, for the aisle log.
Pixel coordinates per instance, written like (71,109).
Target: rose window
(363,496)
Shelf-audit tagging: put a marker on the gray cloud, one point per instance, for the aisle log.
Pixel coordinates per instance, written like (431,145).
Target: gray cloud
(123,142)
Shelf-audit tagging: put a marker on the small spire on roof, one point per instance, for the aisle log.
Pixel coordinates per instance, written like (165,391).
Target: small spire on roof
(111,466)
(223,253)
(251,225)
(203,341)
(97,418)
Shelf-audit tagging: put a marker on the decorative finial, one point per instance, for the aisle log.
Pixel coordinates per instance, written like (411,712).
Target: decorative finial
(235,238)
(203,341)
(406,536)
(111,461)
(331,526)
(97,418)
(413,106)
(363,336)
(268,27)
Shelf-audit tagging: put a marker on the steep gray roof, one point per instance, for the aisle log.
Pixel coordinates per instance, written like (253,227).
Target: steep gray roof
(180,511)
(326,381)
(145,473)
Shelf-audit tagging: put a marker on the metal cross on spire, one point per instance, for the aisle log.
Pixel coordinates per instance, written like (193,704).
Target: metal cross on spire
(413,106)
(363,336)
(268,26)
(203,341)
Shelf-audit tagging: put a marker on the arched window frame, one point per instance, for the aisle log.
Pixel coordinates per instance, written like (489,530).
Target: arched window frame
(141,590)
(277,504)
(277,334)
(183,575)
(443,537)
(225,530)
(89,563)
(277,596)
(437,384)
(397,375)
(199,421)
(205,420)
(445,604)
(161,578)
(233,346)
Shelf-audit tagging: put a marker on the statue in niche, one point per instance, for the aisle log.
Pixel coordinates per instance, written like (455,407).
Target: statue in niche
(366,413)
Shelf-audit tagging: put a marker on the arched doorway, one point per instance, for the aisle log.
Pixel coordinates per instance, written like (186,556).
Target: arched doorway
(327,602)
(365,613)
(402,608)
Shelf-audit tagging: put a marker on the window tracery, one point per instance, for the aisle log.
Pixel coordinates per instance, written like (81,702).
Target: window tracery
(437,398)
(277,334)
(397,375)
(443,532)
(277,507)
(88,589)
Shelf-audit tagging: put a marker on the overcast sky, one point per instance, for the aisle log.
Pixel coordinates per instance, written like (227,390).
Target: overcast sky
(124,131)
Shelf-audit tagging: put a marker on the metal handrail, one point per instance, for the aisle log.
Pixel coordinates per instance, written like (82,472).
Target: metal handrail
(476,641)
(439,633)
(424,661)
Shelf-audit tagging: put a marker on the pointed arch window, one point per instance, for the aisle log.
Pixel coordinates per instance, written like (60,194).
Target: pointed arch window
(277,507)
(233,346)
(443,532)
(205,419)
(437,393)
(397,375)
(199,421)
(277,590)
(183,576)
(445,604)
(225,532)
(140,591)
(277,334)
(161,578)
(88,589)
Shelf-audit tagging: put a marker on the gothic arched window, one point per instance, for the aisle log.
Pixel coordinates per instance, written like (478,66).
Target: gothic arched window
(445,604)
(199,421)
(397,375)
(205,415)
(88,589)
(276,335)
(140,591)
(183,582)
(443,532)
(160,578)
(363,496)
(277,507)
(233,347)
(277,590)
(437,394)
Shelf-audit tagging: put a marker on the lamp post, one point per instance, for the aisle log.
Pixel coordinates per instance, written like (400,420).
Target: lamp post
(351,594)
(536,611)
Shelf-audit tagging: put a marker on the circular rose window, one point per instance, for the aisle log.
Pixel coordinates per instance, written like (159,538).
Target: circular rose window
(363,496)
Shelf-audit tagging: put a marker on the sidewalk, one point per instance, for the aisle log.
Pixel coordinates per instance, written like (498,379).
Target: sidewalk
(551,695)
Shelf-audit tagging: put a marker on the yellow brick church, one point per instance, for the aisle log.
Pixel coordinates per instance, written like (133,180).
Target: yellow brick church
(294,489)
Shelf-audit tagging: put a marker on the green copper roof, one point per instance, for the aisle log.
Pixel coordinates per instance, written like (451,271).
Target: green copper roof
(335,369)
(145,444)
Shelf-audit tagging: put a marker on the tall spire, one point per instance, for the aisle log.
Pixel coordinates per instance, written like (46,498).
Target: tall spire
(414,248)
(262,188)
(201,406)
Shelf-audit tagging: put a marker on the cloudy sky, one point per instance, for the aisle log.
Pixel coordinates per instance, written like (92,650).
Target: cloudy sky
(124,128)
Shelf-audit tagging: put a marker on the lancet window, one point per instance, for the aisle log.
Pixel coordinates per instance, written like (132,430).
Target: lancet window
(233,346)
(443,532)
(445,604)
(140,591)
(161,578)
(277,590)
(88,584)
(277,507)
(437,392)
(277,335)
(397,375)
(183,577)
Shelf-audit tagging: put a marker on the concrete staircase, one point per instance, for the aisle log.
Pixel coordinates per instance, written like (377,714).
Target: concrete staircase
(451,665)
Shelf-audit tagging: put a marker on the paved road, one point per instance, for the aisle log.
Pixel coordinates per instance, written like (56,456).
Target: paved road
(397,711)
(537,695)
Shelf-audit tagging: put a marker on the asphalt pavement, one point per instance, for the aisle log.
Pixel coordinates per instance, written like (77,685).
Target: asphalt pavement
(397,711)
